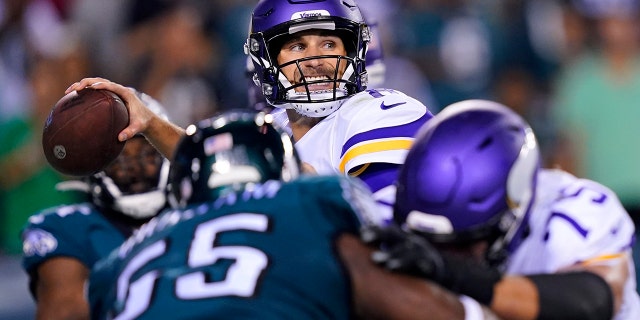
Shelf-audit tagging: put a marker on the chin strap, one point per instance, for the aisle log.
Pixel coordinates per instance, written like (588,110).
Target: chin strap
(281,120)
(314,109)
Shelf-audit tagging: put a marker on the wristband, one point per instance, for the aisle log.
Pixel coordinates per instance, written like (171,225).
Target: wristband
(573,295)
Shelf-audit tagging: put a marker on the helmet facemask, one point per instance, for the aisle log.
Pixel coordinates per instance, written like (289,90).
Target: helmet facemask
(317,92)
(521,186)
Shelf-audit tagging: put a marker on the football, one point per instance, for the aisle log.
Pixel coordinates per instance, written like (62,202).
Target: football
(80,136)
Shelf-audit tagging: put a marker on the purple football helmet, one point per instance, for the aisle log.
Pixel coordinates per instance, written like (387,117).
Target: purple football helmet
(470,176)
(274,21)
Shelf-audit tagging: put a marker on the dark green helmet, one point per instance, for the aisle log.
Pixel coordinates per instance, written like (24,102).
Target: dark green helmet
(227,152)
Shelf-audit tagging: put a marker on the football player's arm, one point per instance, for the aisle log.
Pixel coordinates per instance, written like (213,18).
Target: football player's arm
(586,291)
(593,289)
(379,294)
(161,133)
(60,289)
(614,269)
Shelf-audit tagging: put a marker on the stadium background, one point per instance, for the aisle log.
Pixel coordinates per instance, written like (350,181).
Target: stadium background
(188,54)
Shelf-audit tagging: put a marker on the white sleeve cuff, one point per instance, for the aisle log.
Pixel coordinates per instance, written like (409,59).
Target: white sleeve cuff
(472,308)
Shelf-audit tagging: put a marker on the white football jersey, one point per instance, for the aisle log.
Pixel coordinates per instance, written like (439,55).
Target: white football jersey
(576,220)
(373,126)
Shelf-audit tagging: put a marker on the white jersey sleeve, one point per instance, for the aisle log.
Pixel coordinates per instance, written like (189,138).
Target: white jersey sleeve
(374,126)
(575,221)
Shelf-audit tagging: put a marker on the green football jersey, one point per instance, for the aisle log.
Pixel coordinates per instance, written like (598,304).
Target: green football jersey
(77,231)
(266,252)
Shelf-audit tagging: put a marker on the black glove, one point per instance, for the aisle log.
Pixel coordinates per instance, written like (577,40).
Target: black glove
(404,252)
(410,253)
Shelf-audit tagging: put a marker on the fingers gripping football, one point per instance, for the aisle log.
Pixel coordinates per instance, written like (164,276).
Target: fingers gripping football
(139,115)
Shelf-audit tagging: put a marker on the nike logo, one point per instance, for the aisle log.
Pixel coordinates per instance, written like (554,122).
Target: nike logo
(393,105)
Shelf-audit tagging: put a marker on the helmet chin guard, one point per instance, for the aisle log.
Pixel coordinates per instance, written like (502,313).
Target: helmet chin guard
(315,109)
(142,205)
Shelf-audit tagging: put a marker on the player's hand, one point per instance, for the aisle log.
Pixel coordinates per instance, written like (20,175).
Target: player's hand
(139,115)
(405,252)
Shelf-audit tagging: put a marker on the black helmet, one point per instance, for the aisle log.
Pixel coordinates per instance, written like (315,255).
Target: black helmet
(229,151)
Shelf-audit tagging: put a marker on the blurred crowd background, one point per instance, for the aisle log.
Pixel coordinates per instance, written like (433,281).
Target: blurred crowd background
(570,67)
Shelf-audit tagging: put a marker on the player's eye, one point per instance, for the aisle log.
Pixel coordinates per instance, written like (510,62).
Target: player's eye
(296,47)
(329,45)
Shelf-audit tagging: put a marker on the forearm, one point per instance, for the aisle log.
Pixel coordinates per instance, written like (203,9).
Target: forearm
(591,290)
(571,295)
(164,136)
(515,298)
(404,297)
(594,289)
(379,294)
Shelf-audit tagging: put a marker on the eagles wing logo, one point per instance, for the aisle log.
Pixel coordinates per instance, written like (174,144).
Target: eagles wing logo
(38,242)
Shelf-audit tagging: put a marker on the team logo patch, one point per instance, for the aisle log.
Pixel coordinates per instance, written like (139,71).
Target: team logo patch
(38,242)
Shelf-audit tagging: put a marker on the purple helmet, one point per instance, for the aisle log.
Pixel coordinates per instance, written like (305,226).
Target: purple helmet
(272,23)
(470,176)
